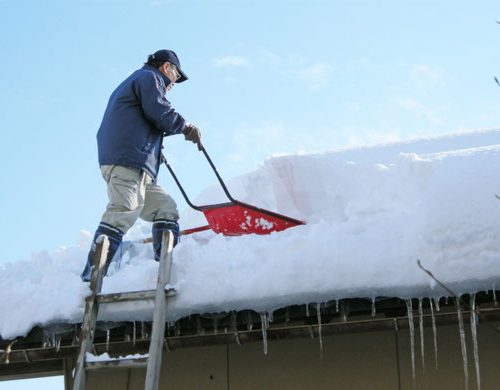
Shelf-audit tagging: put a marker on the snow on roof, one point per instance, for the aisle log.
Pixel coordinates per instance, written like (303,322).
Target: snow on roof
(371,212)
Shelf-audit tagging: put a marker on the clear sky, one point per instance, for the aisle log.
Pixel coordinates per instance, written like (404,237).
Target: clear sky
(266,77)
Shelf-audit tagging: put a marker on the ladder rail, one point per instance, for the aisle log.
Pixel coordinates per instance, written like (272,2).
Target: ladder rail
(91,311)
(160,314)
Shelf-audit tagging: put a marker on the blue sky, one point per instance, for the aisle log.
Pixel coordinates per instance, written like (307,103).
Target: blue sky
(266,77)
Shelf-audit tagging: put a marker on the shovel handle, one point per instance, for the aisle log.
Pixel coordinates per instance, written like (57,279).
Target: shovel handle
(212,165)
(223,185)
(164,160)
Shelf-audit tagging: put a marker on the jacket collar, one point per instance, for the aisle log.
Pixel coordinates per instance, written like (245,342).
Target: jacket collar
(157,71)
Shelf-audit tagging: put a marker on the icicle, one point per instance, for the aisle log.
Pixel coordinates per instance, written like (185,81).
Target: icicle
(434,333)
(421,326)
(143,330)
(307,310)
(264,324)
(343,311)
(74,341)
(171,328)
(107,340)
(462,341)
(234,322)
(337,305)
(436,302)
(287,316)
(412,337)
(199,326)
(374,312)
(134,335)
(318,312)
(215,324)
(473,328)
(234,327)
(494,295)
(311,332)
(250,321)
(57,342)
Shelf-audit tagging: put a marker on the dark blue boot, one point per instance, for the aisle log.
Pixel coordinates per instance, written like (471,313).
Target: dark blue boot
(115,239)
(160,226)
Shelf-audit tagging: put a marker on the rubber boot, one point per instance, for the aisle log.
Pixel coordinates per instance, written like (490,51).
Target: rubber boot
(115,236)
(160,226)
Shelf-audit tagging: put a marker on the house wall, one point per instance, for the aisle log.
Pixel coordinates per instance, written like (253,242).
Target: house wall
(376,360)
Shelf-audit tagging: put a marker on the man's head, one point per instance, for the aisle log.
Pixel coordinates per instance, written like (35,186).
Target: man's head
(168,63)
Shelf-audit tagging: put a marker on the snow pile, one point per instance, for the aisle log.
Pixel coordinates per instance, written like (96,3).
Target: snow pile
(91,358)
(371,213)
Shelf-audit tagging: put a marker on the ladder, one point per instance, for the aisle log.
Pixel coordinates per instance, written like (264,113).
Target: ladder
(92,302)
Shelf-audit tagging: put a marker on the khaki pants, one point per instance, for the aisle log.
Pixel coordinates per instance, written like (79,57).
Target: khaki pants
(132,195)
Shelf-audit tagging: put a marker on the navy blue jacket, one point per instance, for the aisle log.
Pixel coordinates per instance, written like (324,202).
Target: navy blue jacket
(136,119)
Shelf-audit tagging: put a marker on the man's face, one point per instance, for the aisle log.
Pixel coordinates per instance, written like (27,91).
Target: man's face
(170,71)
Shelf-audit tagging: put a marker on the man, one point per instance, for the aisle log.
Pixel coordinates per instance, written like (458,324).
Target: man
(129,142)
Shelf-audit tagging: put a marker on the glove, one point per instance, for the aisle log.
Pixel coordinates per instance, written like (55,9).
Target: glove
(193,134)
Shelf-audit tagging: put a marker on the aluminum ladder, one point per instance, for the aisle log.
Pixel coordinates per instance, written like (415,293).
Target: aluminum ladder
(160,296)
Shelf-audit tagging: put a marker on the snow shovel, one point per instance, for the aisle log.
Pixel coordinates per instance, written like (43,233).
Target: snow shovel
(235,218)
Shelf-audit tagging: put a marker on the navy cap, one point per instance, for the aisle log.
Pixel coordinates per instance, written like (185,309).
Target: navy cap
(170,56)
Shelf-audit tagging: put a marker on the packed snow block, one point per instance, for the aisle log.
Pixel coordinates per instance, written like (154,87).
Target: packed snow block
(368,223)
(371,213)
(44,289)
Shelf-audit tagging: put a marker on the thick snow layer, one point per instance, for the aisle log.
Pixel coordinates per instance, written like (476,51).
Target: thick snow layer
(371,213)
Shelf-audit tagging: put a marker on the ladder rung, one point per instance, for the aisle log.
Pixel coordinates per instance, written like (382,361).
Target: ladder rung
(117,363)
(132,296)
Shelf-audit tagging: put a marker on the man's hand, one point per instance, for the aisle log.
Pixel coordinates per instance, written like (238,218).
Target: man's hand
(193,134)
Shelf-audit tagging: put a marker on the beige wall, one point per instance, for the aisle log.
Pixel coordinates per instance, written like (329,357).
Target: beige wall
(350,361)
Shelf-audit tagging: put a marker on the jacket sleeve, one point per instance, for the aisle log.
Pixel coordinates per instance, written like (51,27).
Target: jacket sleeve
(157,109)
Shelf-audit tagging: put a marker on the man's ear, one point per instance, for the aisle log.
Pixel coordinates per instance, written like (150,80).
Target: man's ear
(165,66)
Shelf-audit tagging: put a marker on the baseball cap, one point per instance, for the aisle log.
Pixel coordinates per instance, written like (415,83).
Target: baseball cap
(170,56)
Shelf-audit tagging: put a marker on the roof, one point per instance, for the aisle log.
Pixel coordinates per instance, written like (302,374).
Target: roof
(43,350)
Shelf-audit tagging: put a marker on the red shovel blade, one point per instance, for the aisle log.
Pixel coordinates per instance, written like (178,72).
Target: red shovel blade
(235,219)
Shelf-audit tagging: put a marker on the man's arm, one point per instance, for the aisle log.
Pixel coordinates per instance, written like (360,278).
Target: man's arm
(157,109)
